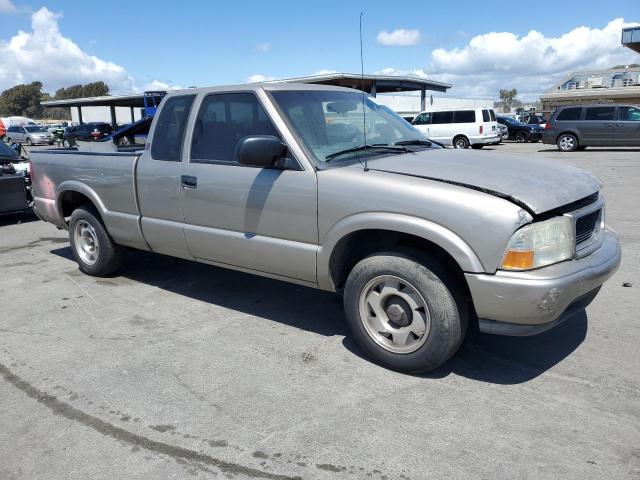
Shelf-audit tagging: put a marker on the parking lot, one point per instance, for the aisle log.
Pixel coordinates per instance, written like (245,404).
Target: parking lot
(175,369)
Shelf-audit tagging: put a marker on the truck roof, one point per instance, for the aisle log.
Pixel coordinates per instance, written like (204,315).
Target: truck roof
(269,86)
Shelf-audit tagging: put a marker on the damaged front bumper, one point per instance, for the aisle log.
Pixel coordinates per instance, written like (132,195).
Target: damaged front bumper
(528,303)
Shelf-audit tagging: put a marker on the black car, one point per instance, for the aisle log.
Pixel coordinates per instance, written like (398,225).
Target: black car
(85,131)
(14,187)
(521,132)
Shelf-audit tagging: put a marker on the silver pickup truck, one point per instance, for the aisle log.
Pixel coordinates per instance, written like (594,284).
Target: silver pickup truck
(322,187)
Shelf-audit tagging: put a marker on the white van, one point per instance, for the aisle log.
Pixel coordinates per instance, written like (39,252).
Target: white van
(460,128)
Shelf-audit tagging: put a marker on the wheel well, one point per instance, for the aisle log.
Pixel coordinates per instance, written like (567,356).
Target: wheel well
(362,243)
(70,200)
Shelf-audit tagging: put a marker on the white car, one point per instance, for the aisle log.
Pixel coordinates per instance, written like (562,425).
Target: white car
(460,128)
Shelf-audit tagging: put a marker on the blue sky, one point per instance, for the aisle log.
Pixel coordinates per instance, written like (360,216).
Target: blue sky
(205,43)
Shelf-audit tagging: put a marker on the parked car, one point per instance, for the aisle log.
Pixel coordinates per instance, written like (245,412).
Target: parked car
(85,131)
(521,132)
(581,126)
(504,131)
(459,128)
(14,186)
(29,134)
(55,127)
(278,180)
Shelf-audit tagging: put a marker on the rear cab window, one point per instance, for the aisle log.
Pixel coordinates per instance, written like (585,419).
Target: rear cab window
(168,135)
(569,114)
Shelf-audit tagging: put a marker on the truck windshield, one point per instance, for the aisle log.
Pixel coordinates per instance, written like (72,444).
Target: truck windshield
(331,125)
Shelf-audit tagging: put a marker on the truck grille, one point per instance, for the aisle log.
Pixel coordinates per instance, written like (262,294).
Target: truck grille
(587,227)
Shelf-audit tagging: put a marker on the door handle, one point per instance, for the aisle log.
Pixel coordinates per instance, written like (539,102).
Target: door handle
(608,124)
(189,181)
(619,124)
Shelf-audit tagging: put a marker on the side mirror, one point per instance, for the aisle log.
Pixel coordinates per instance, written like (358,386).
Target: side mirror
(260,150)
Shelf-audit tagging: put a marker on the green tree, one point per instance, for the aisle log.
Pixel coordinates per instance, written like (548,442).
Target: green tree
(22,100)
(507,97)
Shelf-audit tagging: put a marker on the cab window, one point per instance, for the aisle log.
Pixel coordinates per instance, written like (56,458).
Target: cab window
(224,119)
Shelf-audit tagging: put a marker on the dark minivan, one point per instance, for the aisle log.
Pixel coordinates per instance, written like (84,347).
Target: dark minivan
(577,127)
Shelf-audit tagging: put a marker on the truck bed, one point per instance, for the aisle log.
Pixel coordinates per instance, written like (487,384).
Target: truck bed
(107,179)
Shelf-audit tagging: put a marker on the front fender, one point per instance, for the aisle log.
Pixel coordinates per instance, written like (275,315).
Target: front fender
(449,241)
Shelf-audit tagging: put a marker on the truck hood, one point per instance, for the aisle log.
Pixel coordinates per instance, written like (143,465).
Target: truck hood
(534,184)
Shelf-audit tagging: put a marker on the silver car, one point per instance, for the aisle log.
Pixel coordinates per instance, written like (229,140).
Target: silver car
(319,186)
(30,135)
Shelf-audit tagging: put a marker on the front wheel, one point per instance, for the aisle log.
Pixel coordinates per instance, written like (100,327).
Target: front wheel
(29,142)
(93,248)
(66,143)
(406,315)
(522,137)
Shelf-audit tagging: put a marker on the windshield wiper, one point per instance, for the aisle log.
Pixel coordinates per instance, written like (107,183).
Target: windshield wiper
(415,141)
(360,148)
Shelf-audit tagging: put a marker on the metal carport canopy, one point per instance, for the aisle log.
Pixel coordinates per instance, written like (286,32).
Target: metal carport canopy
(112,101)
(374,84)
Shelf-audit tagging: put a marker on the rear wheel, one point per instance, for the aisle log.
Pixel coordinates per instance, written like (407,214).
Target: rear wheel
(522,137)
(567,143)
(29,142)
(405,314)
(460,142)
(92,246)
(66,143)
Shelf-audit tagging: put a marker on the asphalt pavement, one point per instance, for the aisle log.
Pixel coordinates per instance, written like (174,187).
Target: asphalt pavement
(177,370)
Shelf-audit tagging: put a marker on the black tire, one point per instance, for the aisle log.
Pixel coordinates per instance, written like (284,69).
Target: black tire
(66,143)
(29,142)
(441,293)
(109,256)
(8,140)
(522,137)
(567,142)
(460,142)
(478,146)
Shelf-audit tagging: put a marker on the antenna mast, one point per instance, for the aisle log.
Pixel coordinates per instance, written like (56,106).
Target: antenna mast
(364,115)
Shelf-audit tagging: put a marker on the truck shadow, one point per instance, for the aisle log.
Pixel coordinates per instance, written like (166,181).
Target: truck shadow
(486,358)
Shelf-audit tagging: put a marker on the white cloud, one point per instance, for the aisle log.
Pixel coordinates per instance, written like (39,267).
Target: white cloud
(416,72)
(399,38)
(46,55)
(259,78)
(324,71)
(531,63)
(160,85)
(7,6)
(263,47)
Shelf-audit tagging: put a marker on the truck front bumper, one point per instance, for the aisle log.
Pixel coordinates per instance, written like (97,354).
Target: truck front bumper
(528,303)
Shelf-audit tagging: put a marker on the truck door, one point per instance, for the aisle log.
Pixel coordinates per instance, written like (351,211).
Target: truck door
(158,179)
(261,219)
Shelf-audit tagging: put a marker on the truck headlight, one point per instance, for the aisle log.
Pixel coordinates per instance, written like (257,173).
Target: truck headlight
(539,244)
